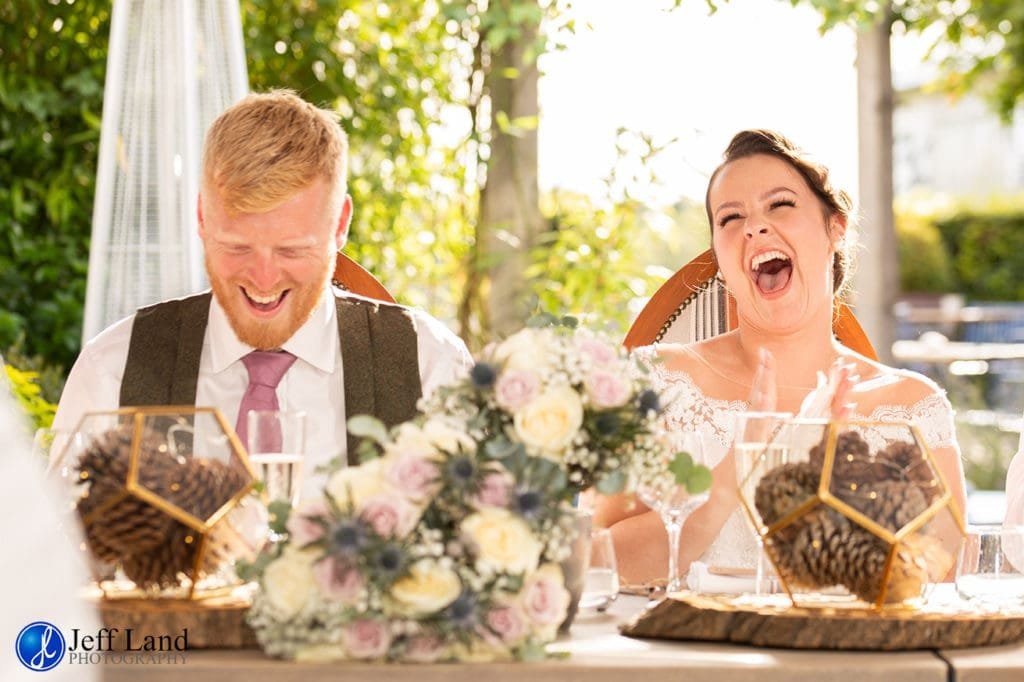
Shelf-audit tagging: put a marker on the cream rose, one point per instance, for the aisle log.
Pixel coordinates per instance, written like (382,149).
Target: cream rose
(288,581)
(428,588)
(503,541)
(357,485)
(526,349)
(448,435)
(549,422)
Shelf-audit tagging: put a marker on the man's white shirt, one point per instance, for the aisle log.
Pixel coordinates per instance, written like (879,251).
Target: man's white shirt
(314,384)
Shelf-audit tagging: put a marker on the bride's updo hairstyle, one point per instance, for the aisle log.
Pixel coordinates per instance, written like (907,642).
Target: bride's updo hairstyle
(834,201)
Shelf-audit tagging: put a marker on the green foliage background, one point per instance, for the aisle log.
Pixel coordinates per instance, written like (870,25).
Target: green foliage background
(395,72)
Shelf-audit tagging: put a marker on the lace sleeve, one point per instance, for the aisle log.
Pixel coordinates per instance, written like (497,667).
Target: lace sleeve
(932,415)
(686,408)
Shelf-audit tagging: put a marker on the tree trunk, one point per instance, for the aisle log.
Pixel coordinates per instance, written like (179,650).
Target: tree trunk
(510,218)
(876,283)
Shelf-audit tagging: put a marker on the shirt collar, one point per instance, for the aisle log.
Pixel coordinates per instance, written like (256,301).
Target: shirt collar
(315,342)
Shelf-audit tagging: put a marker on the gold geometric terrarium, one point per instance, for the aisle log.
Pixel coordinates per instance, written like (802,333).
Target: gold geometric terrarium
(852,514)
(163,497)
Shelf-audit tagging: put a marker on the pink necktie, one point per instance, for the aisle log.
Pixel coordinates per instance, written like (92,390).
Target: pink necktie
(265,371)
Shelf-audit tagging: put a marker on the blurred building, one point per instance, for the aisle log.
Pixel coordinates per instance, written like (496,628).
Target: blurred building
(955,146)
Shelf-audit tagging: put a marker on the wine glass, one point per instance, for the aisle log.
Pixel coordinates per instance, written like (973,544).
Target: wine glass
(674,503)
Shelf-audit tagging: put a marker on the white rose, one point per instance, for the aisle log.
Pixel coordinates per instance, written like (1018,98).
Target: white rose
(526,349)
(448,434)
(549,422)
(428,588)
(288,581)
(410,439)
(356,485)
(503,541)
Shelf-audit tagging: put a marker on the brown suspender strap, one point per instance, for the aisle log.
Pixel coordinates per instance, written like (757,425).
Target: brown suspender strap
(163,355)
(379,361)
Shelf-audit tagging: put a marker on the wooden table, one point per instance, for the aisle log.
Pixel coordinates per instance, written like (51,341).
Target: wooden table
(598,653)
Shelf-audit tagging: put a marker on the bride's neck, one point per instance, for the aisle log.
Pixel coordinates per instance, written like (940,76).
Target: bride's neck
(798,355)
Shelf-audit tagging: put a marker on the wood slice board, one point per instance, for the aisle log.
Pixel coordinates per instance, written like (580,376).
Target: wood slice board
(710,618)
(210,623)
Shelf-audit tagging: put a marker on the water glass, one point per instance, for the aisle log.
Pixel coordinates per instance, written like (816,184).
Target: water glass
(758,449)
(601,582)
(990,568)
(277,444)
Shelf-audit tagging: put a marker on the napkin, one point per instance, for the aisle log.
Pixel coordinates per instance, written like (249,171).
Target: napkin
(717,580)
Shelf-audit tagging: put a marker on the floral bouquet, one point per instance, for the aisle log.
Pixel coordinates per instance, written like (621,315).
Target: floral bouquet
(446,542)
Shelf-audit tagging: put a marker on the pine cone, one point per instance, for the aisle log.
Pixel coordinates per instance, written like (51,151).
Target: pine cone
(154,549)
(129,524)
(892,504)
(824,548)
(784,488)
(852,457)
(905,462)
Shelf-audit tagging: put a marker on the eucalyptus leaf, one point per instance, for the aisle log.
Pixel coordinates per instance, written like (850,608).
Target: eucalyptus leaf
(279,510)
(611,483)
(680,466)
(365,426)
(698,480)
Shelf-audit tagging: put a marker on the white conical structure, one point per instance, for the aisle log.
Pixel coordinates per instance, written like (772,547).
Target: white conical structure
(172,67)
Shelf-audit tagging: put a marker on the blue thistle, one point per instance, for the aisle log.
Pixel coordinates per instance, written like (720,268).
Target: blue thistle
(348,537)
(462,611)
(483,375)
(462,469)
(649,402)
(527,503)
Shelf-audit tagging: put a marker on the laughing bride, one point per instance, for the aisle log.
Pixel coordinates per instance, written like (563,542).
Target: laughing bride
(780,233)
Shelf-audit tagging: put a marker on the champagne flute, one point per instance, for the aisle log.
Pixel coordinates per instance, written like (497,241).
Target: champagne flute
(674,503)
(757,448)
(277,444)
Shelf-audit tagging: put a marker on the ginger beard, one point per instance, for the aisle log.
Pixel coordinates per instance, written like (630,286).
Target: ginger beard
(294,306)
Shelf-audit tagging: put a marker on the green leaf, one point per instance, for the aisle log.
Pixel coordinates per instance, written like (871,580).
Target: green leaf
(611,483)
(279,510)
(698,480)
(680,466)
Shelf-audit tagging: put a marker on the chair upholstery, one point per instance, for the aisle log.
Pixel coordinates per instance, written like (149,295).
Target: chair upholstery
(351,276)
(693,305)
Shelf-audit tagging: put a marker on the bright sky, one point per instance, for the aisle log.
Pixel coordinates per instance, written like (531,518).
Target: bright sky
(756,63)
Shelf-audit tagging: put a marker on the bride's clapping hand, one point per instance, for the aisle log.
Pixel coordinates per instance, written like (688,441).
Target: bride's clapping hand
(763,389)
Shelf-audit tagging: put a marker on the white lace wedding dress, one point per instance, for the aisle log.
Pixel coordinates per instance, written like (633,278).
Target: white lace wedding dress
(687,408)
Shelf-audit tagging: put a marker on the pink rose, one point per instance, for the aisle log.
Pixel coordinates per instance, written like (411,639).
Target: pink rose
(390,516)
(304,524)
(495,490)
(606,390)
(515,388)
(412,475)
(366,639)
(544,598)
(338,580)
(424,649)
(507,622)
(596,351)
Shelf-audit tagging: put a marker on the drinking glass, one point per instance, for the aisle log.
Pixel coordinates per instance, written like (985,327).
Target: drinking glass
(674,503)
(601,581)
(990,568)
(277,444)
(757,444)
